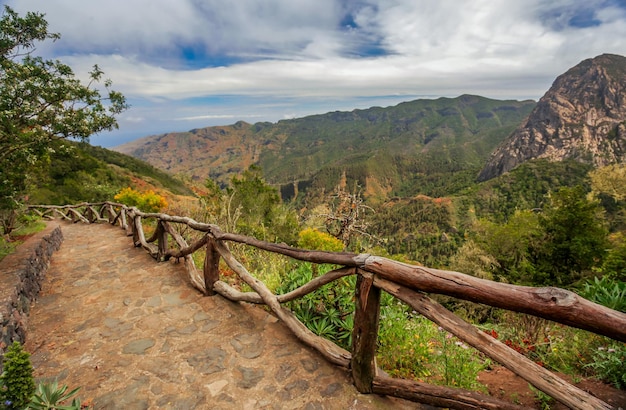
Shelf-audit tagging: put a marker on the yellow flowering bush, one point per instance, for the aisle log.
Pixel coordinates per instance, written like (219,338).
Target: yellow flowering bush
(148,201)
(313,239)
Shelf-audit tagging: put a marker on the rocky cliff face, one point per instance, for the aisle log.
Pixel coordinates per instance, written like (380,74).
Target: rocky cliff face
(581,117)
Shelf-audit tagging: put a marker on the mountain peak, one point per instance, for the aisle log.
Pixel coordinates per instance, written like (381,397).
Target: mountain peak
(581,117)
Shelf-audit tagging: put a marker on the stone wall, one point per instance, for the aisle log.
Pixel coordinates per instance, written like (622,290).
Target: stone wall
(21,275)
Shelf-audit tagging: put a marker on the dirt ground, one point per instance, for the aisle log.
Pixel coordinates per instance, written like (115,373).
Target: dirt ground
(504,384)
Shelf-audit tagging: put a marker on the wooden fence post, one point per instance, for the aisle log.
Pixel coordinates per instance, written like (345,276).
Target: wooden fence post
(136,227)
(211,266)
(88,213)
(123,217)
(365,332)
(161,235)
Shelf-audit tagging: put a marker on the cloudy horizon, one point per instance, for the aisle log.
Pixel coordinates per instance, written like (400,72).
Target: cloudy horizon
(197,63)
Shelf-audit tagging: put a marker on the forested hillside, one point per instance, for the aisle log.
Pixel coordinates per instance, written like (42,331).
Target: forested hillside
(386,151)
(77,172)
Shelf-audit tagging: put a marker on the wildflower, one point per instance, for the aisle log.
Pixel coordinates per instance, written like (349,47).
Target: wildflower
(611,350)
(462,345)
(8,403)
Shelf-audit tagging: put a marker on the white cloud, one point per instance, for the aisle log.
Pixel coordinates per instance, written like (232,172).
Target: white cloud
(310,51)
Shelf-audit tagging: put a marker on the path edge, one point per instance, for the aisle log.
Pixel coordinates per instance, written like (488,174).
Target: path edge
(21,277)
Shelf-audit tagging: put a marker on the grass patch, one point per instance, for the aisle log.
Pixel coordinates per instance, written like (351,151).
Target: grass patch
(30,228)
(7,247)
(9,243)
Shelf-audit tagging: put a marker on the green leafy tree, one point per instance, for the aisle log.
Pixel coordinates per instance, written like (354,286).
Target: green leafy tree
(610,180)
(615,261)
(42,101)
(252,207)
(471,259)
(511,244)
(255,196)
(555,246)
(608,184)
(576,238)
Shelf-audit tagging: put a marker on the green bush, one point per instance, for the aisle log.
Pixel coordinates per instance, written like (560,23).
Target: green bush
(609,364)
(148,201)
(313,239)
(16,382)
(606,292)
(456,363)
(411,346)
(405,345)
(328,311)
(6,247)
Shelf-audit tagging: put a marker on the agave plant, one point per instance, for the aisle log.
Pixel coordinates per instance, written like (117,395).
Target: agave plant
(51,397)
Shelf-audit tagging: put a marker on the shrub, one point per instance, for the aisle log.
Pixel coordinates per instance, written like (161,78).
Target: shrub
(615,261)
(17,383)
(554,346)
(148,201)
(606,292)
(311,238)
(457,364)
(405,345)
(328,311)
(6,247)
(609,364)
(411,346)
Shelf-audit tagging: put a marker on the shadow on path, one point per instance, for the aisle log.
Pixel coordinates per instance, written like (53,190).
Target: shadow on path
(135,335)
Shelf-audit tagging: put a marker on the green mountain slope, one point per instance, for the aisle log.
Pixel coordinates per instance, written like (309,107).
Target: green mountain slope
(383,150)
(77,172)
(408,129)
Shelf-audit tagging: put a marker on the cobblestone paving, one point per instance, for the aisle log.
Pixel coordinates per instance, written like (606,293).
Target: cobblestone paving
(135,335)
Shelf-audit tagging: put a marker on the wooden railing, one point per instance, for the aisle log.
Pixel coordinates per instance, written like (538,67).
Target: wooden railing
(407,283)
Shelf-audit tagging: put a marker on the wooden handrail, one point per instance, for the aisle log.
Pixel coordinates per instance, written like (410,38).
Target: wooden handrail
(405,282)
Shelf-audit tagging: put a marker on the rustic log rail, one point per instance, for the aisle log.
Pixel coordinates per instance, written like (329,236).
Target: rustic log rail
(406,282)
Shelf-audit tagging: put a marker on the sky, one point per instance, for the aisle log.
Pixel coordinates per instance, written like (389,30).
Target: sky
(188,64)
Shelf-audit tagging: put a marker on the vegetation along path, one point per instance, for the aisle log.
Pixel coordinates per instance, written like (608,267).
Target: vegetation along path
(135,335)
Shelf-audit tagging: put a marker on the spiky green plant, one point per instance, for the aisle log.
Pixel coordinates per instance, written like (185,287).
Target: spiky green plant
(51,396)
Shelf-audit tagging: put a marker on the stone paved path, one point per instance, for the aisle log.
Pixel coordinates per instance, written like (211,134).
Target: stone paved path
(135,335)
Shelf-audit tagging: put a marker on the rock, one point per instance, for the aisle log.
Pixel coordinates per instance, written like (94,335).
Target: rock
(250,377)
(331,390)
(209,361)
(248,345)
(310,365)
(138,346)
(215,388)
(581,117)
